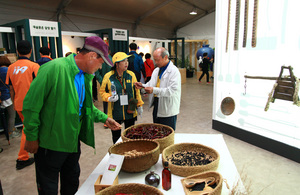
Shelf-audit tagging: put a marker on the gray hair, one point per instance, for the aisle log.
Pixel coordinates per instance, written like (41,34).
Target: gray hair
(164,52)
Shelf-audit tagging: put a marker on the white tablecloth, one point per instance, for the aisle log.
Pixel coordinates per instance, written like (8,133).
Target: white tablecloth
(226,167)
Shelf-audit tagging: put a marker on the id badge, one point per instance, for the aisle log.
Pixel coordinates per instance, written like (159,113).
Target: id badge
(124,100)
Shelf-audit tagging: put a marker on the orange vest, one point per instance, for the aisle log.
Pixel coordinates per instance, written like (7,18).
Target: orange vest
(20,75)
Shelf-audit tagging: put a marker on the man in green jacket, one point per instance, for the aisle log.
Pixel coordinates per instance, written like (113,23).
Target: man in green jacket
(59,113)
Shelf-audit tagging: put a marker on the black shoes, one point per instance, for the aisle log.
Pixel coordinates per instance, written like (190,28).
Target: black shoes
(24,163)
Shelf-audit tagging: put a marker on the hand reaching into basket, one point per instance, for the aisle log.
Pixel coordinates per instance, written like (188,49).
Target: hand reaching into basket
(112,124)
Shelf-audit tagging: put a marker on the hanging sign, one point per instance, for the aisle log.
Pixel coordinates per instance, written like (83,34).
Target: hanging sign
(43,28)
(119,34)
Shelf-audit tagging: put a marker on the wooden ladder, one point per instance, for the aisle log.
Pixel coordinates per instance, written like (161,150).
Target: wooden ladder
(284,88)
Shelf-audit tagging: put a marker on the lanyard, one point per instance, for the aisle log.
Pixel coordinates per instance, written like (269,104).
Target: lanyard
(123,86)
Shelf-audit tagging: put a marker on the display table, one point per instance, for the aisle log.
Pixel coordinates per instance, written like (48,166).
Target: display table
(226,167)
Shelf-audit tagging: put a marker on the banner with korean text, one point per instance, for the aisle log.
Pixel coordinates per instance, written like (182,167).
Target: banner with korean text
(43,28)
(119,34)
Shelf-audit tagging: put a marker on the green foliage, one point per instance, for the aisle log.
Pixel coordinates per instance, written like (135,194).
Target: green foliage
(186,64)
(179,63)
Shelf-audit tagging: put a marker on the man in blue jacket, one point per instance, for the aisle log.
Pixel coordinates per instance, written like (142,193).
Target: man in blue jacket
(45,56)
(138,62)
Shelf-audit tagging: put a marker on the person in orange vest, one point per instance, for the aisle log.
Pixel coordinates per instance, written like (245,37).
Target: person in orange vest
(19,77)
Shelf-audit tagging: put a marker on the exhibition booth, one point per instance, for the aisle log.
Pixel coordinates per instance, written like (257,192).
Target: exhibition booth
(249,60)
(256,86)
(256,78)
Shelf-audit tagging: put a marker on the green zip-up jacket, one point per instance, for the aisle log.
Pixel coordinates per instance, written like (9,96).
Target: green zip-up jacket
(51,108)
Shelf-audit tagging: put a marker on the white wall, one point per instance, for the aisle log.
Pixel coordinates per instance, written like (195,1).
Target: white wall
(147,45)
(278,43)
(73,40)
(203,28)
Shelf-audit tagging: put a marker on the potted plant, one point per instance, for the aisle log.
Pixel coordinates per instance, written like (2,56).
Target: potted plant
(182,70)
(189,68)
(187,65)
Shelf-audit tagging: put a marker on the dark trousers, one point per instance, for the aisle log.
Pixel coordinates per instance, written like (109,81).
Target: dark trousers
(4,121)
(94,89)
(117,134)
(50,164)
(169,121)
(105,105)
(207,75)
(137,75)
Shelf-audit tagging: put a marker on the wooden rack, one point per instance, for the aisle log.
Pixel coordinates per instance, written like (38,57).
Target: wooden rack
(285,88)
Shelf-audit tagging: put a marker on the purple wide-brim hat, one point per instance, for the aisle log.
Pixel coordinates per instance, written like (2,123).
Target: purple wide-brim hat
(96,44)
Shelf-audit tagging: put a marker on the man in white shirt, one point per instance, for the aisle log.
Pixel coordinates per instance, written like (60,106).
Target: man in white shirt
(165,89)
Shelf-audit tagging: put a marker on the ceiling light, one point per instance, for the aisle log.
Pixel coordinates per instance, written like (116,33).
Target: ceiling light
(193,12)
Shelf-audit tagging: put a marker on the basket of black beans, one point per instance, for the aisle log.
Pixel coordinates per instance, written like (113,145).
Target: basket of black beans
(186,159)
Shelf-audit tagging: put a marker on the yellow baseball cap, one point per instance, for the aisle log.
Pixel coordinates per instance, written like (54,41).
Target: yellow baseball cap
(119,56)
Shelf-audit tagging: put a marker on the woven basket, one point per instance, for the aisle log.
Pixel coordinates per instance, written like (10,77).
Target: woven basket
(185,171)
(219,180)
(130,188)
(163,142)
(139,162)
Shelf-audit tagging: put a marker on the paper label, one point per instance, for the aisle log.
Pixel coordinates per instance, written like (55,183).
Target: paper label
(112,169)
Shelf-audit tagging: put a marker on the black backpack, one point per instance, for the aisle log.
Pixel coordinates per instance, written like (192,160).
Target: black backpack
(131,67)
(131,63)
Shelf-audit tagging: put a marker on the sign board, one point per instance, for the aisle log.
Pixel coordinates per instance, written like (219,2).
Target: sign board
(43,28)
(119,34)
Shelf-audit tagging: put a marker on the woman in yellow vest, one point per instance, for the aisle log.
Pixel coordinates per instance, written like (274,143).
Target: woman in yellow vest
(124,100)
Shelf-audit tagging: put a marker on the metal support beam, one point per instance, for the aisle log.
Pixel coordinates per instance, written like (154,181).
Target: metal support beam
(37,46)
(194,19)
(27,35)
(52,47)
(63,4)
(148,13)
(152,11)
(191,4)
(44,41)
(182,50)
(59,46)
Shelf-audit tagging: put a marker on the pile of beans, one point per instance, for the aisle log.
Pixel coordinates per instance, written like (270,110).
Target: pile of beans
(133,153)
(190,158)
(147,132)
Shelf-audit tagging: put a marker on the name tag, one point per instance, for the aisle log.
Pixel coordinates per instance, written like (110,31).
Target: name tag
(124,100)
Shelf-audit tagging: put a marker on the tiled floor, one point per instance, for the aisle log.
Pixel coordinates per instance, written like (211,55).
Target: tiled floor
(262,172)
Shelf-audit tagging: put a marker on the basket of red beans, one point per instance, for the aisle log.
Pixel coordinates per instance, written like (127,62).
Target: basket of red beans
(163,134)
